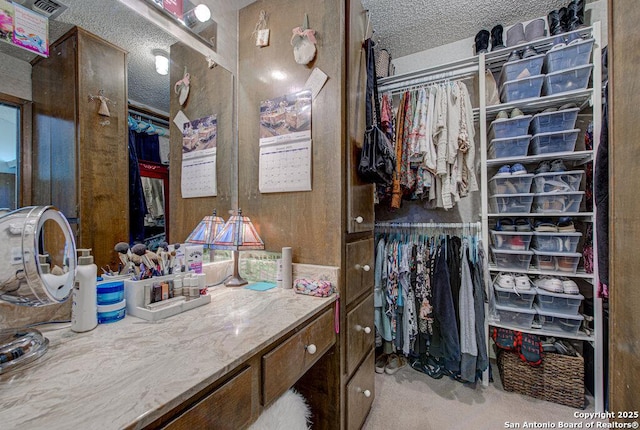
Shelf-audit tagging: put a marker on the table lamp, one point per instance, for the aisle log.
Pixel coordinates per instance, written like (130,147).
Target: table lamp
(206,231)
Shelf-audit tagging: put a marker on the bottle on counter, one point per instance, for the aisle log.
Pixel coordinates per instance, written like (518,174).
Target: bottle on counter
(84,309)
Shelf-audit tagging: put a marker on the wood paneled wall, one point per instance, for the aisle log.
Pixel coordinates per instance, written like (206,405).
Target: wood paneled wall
(311,222)
(624,204)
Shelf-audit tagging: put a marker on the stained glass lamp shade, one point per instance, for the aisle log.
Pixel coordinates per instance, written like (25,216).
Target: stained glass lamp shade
(206,230)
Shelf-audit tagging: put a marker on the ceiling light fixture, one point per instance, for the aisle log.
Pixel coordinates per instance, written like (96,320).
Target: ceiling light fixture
(162,61)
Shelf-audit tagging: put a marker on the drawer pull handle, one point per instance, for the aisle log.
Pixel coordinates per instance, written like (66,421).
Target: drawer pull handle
(358,219)
(367,393)
(311,349)
(367,329)
(366,267)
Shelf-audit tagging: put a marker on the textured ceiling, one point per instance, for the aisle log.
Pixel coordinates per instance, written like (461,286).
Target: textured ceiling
(405,27)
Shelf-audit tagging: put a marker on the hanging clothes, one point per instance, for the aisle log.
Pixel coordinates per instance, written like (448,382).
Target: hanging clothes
(137,204)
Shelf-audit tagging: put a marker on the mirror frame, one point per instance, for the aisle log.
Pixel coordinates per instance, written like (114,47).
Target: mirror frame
(23,173)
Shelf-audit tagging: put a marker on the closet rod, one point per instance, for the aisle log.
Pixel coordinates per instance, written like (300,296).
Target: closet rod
(430,79)
(147,115)
(454,225)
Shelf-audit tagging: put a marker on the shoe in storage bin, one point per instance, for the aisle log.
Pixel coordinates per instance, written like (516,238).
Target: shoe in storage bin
(558,202)
(568,304)
(564,81)
(556,261)
(509,127)
(550,143)
(555,242)
(512,184)
(521,89)
(509,147)
(516,317)
(557,181)
(514,70)
(570,56)
(514,298)
(558,322)
(561,120)
(511,240)
(511,260)
(511,203)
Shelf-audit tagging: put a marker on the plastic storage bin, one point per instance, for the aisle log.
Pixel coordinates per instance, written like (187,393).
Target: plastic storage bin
(112,313)
(547,122)
(557,261)
(511,260)
(556,302)
(509,127)
(511,203)
(521,69)
(555,242)
(557,181)
(508,297)
(573,79)
(558,322)
(512,184)
(549,143)
(110,292)
(511,240)
(574,55)
(558,202)
(521,89)
(519,317)
(509,147)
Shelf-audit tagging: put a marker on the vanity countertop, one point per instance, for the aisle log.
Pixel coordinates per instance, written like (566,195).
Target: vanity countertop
(132,371)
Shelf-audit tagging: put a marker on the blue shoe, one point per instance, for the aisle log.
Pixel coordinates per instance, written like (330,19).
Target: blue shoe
(518,169)
(504,170)
(505,224)
(522,224)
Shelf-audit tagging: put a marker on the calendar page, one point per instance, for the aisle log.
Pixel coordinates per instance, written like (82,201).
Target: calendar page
(199,149)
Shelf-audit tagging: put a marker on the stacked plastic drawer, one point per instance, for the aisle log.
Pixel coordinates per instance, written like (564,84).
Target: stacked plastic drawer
(558,312)
(567,67)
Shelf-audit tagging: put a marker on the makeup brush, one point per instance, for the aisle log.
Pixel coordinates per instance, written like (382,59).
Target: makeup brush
(140,250)
(122,248)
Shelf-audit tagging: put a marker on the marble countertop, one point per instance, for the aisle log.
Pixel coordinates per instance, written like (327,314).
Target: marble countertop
(132,371)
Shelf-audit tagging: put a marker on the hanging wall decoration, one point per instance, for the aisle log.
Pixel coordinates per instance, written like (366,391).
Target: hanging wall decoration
(304,43)
(261,32)
(181,87)
(103,109)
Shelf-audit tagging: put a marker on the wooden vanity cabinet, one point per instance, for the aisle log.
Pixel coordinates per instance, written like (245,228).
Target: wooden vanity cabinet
(80,161)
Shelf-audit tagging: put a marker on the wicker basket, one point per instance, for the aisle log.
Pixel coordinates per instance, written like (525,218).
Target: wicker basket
(559,379)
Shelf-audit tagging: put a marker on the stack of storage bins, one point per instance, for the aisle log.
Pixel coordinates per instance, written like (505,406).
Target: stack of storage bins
(558,312)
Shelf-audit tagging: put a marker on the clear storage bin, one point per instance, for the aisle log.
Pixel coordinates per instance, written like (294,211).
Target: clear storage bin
(511,260)
(555,242)
(511,203)
(557,181)
(509,127)
(519,317)
(570,56)
(511,240)
(558,202)
(558,322)
(512,184)
(509,147)
(521,89)
(557,302)
(508,297)
(549,143)
(561,120)
(556,261)
(521,69)
(573,79)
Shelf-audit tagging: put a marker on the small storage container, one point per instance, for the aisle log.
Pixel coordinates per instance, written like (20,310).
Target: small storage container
(511,203)
(564,81)
(558,322)
(518,317)
(110,292)
(558,202)
(525,68)
(112,313)
(509,127)
(557,181)
(556,261)
(557,302)
(570,56)
(511,184)
(561,120)
(509,297)
(521,89)
(509,147)
(511,260)
(558,141)
(511,240)
(555,242)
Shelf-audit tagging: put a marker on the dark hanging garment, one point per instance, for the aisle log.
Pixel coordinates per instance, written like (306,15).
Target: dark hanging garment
(454,243)
(147,147)
(601,193)
(137,205)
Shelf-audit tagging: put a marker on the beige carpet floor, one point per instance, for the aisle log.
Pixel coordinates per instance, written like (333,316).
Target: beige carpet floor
(412,400)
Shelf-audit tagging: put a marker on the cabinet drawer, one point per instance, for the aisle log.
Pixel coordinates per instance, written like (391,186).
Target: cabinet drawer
(285,364)
(359,269)
(360,333)
(228,407)
(360,393)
